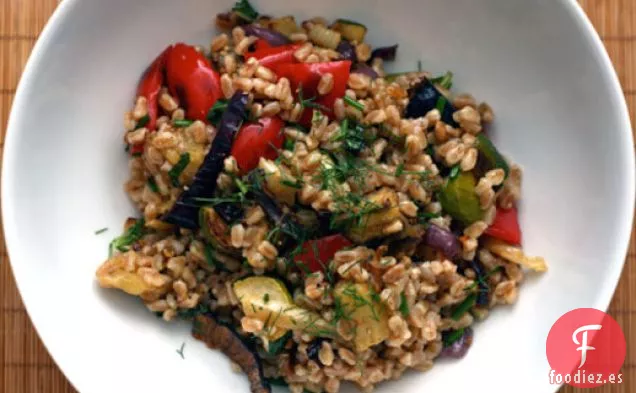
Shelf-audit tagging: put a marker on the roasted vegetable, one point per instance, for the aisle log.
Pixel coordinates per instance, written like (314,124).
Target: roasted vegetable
(424,98)
(192,80)
(458,198)
(219,336)
(505,226)
(263,138)
(114,274)
(443,240)
(347,51)
(185,211)
(272,57)
(216,231)
(385,210)
(268,300)
(285,25)
(279,183)
(491,155)
(456,342)
(324,36)
(272,37)
(482,285)
(357,303)
(364,69)
(385,52)
(316,254)
(515,255)
(350,30)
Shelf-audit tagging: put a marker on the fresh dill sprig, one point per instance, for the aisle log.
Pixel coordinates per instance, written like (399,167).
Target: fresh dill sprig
(353,103)
(123,242)
(180,350)
(100,231)
(182,123)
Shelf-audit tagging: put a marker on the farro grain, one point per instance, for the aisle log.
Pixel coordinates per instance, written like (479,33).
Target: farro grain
(464,100)
(363,52)
(219,42)
(326,84)
(271,109)
(141,108)
(486,112)
(227,86)
(358,81)
(237,34)
(244,84)
(129,121)
(469,160)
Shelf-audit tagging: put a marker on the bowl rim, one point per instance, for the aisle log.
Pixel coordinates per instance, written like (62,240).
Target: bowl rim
(65,8)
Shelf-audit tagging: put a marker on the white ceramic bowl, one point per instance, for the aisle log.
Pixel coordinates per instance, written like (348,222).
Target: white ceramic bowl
(560,114)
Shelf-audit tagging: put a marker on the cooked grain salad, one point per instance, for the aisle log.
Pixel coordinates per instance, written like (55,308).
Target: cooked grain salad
(318,220)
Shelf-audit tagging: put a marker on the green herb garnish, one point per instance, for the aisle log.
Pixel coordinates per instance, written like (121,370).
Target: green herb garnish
(180,351)
(464,306)
(152,184)
(441,103)
(143,121)
(216,112)
(446,80)
(123,242)
(100,231)
(289,144)
(483,279)
(419,66)
(178,168)
(182,123)
(245,10)
(354,103)
(454,172)
(266,298)
(309,102)
(399,171)
(276,381)
(293,184)
(404,305)
(452,337)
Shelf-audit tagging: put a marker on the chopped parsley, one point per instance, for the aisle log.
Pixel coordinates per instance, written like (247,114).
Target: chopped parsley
(266,298)
(276,347)
(354,103)
(216,112)
(482,280)
(293,184)
(182,123)
(178,168)
(404,305)
(353,136)
(309,102)
(100,231)
(399,171)
(132,235)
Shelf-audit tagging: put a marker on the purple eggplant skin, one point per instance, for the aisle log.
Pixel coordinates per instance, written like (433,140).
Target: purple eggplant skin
(347,51)
(442,240)
(185,212)
(424,98)
(385,52)
(459,348)
(272,37)
(365,69)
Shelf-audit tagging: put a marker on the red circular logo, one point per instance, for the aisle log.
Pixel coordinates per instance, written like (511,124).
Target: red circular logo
(585,348)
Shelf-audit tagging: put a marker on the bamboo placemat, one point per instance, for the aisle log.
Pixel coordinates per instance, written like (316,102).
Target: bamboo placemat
(25,365)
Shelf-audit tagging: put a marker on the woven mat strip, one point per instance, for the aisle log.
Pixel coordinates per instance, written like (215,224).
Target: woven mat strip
(25,365)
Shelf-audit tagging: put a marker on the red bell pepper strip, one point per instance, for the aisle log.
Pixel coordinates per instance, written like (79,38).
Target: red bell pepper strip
(506,226)
(307,76)
(150,85)
(261,44)
(255,140)
(316,254)
(192,80)
(273,56)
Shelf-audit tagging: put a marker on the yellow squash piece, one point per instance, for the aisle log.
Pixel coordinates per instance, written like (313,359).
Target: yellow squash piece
(515,255)
(114,274)
(268,300)
(366,311)
(372,225)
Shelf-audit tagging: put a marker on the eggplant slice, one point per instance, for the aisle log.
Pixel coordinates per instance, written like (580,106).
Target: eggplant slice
(185,212)
(424,98)
(219,336)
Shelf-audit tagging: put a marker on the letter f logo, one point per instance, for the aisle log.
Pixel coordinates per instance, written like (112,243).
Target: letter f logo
(583,344)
